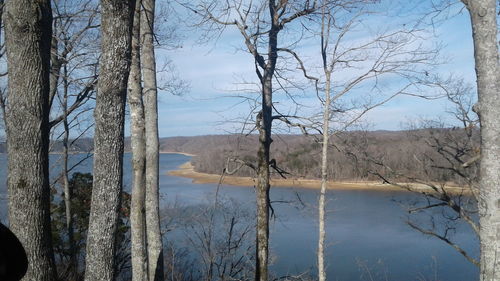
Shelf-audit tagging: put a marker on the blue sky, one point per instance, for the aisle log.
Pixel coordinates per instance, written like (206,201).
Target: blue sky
(216,69)
(213,71)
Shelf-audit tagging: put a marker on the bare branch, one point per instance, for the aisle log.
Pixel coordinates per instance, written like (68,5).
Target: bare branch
(446,240)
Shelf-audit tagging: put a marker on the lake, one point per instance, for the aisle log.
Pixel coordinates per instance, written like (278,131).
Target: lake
(366,230)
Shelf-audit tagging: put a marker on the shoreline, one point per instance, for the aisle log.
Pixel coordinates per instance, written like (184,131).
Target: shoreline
(176,152)
(186,170)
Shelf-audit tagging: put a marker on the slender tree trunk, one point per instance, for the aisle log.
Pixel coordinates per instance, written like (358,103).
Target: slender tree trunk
(263,185)
(109,114)
(325,20)
(265,140)
(324,180)
(484,33)
(137,209)
(154,239)
(73,264)
(28,31)
(55,66)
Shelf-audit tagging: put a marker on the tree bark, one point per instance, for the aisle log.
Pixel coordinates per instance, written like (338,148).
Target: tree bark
(109,114)
(324,180)
(28,31)
(263,186)
(484,33)
(137,208)
(327,69)
(73,262)
(150,94)
(265,140)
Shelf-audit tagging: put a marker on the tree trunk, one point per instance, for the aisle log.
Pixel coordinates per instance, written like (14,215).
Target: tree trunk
(55,68)
(137,208)
(73,263)
(154,239)
(2,97)
(265,140)
(484,33)
(324,180)
(263,186)
(109,114)
(28,31)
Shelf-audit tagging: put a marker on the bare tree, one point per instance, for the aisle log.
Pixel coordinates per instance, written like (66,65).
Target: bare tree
(28,29)
(259,24)
(109,114)
(324,151)
(69,55)
(71,52)
(217,236)
(150,94)
(453,151)
(73,265)
(138,208)
(145,142)
(73,46)
(348,65)
(483,15)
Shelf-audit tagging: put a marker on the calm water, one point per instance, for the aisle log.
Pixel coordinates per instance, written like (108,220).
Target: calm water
(365,229)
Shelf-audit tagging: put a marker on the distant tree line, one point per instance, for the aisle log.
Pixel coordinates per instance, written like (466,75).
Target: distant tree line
(300,156)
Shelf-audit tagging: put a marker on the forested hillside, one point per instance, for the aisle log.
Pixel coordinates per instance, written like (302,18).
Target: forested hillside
(355,155)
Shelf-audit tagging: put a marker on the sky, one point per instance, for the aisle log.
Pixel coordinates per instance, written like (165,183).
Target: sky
(215,70)
(217,102)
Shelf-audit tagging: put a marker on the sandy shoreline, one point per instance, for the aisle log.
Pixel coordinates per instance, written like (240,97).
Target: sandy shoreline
(176,152)
(186,170)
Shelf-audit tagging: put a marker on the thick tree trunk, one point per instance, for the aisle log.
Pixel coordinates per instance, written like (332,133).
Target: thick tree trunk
(484,33)
(137,208)
(324,181)
(109,114)
(154,239)
(28,31)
